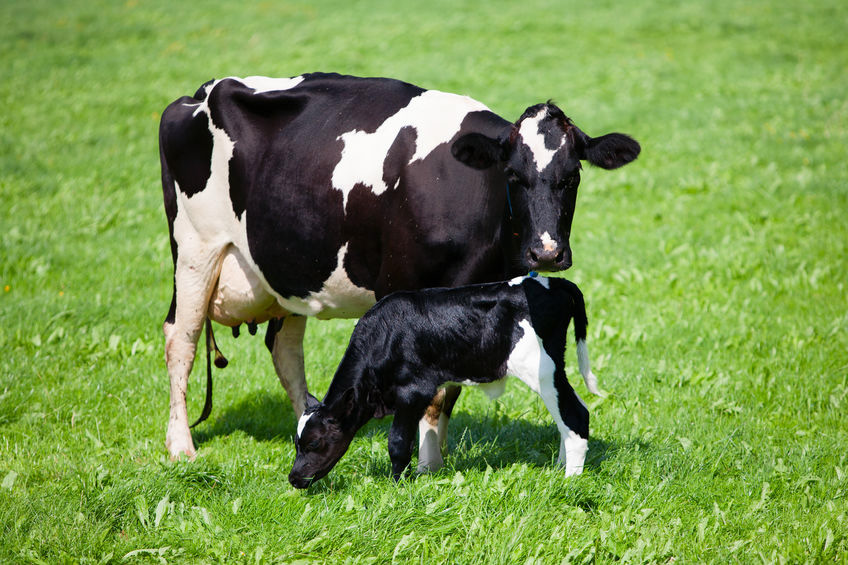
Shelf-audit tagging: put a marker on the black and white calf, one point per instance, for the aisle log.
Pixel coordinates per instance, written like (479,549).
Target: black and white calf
(412,343)
(319,194)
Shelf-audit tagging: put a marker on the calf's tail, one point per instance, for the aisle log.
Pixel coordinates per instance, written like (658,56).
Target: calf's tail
(580,323)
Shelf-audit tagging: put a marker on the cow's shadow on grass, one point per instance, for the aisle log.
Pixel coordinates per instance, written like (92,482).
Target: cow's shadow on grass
(262,416)
(475,441)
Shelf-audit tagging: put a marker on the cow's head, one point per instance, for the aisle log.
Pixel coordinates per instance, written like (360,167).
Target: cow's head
(541,154)
(322,439)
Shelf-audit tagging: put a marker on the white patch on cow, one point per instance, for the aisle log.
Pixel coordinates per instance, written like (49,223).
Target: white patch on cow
(339,297)
(548,243)
(262,84)
(436,117)
(585,369)
(529,132)
(301,423)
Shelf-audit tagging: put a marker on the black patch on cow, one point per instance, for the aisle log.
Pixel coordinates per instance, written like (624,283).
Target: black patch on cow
(400,153)
(363,225)
(286,148)
(186,145)
(201,92)
(250,120)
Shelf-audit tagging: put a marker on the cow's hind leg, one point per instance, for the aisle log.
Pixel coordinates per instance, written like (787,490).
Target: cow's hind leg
(196,271)
(433,429)
(285,339)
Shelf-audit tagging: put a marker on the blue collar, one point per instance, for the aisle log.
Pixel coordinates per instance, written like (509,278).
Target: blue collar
(508,200)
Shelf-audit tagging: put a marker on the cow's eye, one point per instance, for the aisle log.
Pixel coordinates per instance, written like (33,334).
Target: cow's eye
(313,445)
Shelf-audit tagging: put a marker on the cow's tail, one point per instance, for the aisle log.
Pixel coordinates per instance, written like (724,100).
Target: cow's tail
(220,362)
(580,324)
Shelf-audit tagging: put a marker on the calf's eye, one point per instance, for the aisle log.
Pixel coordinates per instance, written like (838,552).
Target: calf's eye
(313,445)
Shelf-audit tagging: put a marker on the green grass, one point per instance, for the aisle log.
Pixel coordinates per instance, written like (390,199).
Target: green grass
(715,270)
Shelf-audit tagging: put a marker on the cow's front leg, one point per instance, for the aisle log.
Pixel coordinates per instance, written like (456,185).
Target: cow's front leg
(401,441)
(287,352)
(433,429)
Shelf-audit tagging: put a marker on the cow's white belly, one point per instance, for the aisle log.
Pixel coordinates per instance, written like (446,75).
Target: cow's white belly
(242,295)
(239,296)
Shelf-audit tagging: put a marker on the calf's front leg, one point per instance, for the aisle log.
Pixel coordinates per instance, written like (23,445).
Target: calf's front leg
(401,441)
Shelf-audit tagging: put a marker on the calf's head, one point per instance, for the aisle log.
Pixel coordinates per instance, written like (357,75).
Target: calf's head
(323,437)
(541,154)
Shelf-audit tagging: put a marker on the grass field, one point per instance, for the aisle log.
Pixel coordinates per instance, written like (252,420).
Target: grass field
(715,270)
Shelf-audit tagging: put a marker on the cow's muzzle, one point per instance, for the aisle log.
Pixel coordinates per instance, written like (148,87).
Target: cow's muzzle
(548,260)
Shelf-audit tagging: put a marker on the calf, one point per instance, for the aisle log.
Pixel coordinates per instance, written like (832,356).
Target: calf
(411,343)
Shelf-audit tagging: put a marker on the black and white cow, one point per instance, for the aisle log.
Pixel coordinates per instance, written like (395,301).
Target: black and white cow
(319,194)
(412,343)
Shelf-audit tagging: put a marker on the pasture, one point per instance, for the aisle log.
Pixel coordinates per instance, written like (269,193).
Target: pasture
(714,268)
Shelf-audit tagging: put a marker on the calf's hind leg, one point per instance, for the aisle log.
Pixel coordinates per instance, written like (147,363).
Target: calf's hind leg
(433,429)
(572,418)
(194,278)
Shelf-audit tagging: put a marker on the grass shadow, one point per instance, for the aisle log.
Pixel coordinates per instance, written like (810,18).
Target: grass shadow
(262,415)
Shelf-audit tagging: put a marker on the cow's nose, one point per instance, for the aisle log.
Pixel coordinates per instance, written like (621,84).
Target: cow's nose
(546,259)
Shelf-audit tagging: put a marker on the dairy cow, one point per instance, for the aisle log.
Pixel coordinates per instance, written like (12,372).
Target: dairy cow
(319,194)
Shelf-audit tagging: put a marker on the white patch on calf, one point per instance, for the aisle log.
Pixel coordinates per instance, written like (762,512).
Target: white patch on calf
(530,362)
(301,423)
(572,453)
(585,369)
(436,117)
(535,141)
(429,447)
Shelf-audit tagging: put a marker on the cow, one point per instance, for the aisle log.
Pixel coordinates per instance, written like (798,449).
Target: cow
(413,342)
(317,195)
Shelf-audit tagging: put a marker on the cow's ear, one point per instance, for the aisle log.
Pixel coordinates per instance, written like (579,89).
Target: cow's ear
(610,151)
(477,150)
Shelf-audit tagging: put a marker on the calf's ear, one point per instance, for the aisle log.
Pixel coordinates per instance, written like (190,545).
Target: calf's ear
(375,399)
(610,151)
(477,150)
(311,402)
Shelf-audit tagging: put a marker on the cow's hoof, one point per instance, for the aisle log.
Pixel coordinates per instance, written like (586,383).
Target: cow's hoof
(181,449)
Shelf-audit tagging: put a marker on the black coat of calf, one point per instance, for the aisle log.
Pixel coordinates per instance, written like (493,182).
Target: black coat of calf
(411,343)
